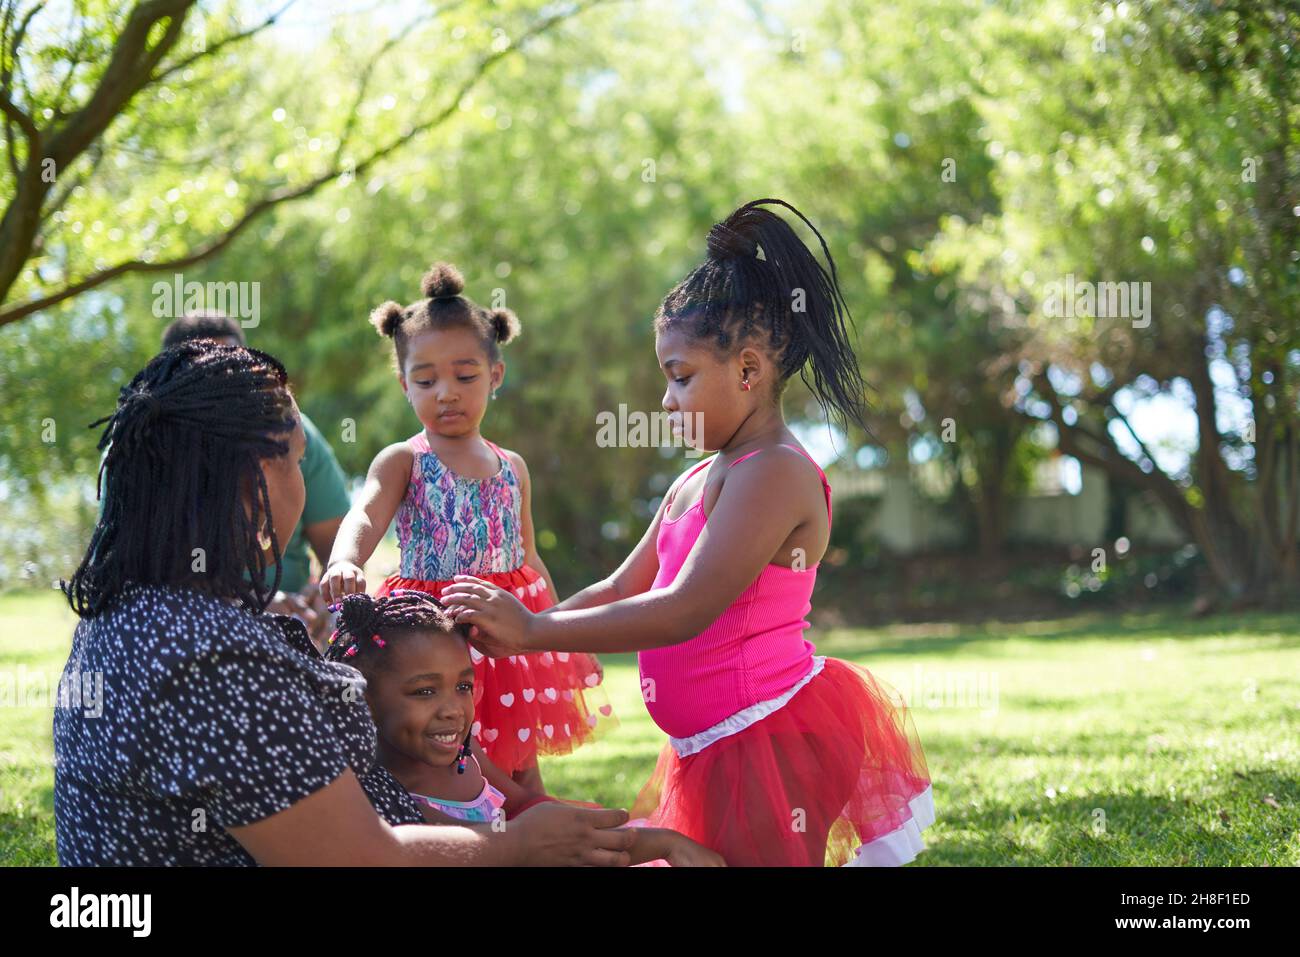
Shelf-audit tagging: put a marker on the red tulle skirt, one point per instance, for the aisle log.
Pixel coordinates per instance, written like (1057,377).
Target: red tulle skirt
(834,776)
(541,703)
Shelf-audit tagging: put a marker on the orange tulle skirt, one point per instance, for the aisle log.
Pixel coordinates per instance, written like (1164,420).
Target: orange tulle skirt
(835,775)
(540,703)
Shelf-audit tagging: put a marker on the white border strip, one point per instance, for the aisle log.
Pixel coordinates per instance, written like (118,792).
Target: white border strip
(744,718)
(901,845)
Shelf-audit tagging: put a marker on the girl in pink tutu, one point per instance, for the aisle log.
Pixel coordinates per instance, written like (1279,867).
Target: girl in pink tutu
(463,506)
(776,755)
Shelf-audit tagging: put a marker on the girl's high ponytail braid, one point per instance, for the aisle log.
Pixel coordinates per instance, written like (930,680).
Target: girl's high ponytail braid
(805,309)
(759,277)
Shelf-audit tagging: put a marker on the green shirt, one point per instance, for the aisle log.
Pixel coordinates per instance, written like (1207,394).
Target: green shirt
(327,497)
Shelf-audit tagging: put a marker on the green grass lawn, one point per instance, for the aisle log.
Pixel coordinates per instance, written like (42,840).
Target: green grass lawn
(1134,740)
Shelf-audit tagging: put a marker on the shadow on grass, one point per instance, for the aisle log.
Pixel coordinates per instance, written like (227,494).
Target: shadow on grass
(1241,820)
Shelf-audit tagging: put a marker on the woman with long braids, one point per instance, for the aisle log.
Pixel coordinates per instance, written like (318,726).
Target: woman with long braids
(777,756)
(219,735)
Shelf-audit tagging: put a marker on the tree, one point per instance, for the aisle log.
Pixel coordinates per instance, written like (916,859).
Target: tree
(1159,149)
(889,146)
(577,183)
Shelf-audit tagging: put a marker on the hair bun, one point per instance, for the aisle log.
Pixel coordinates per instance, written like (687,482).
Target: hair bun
(387,318)
(146,403)
(505,324)
(138,411)
(357,614)
(442,281)
(728,242)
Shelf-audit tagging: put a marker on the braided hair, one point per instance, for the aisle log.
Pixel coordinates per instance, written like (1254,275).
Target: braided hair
(184,473)
(783,299)
(366,625)
(444,307)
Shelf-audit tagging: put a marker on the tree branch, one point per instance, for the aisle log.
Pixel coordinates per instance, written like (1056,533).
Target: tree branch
(130,65)
(16,311)
(1116,464)
(1142,446)
(363,85)
(7,65)
(1108,457)
(96,157)
(218,46)
(74,61)
(6,81)
(25,123)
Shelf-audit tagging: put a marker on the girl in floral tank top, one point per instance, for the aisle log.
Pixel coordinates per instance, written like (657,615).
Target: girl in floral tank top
(462,506)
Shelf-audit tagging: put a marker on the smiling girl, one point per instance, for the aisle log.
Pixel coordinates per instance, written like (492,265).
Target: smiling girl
(421,692)
(463,506)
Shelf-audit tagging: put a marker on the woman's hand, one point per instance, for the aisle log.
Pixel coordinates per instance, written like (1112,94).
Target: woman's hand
(341,578)
(316,602)
(499,620)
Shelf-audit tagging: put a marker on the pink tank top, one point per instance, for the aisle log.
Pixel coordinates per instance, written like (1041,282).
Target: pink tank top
(753,652)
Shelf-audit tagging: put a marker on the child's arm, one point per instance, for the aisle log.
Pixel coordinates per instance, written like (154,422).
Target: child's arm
(367,521)
(761,504)
(634,576)
(532,557)
(654,843)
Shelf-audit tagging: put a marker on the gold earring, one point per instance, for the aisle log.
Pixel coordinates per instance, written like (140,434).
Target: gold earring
(264,538)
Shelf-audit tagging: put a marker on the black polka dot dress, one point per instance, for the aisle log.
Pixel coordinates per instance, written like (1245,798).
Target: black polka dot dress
(209,718)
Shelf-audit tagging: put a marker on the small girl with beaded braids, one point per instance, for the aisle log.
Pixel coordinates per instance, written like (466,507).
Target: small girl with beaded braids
(421,691)
(463,506)
(420,687)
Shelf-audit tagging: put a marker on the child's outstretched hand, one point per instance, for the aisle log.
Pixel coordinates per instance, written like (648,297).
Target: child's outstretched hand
(341,578)
(684,852)
(659,843)
(499,621)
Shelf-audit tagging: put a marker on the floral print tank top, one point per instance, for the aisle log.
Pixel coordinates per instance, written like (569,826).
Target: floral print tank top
(483,809)
(450,525)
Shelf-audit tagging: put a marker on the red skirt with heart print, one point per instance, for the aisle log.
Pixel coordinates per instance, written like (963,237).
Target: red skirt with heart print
(548,702)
